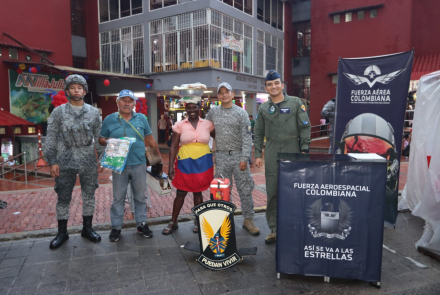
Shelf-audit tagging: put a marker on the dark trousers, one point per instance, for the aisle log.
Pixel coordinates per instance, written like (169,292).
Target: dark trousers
(162,135)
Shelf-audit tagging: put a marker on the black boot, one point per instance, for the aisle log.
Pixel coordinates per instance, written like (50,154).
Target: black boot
(87,231)
(62,235)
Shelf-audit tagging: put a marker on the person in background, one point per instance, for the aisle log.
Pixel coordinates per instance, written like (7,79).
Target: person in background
(162,125)
(193,169)
(328,112)
(170,123)
(322,121)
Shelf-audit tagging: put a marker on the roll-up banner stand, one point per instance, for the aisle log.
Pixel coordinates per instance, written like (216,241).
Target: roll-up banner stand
(370,110)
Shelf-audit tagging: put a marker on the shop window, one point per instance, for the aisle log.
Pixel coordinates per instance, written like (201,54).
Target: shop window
(2,130)
(103,11)
(301,86)
(229,2)
(17,130)
(361,14)
(348,17)
(373,13)
(13,53)
(79,62)
(44,55)
(77,17)
(303,34)
(115,9)
(260,10)
(336,19)
(32,130)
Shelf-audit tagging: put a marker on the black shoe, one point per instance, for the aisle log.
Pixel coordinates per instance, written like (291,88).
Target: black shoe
(62,235)
(114,235)
(144,230)
(87,231)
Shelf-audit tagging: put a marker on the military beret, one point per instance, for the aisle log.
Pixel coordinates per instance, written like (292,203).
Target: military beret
(272,75)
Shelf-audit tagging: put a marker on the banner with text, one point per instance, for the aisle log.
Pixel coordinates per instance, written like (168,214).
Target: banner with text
(370,111)
(230,42)
(330,217)
(29,94)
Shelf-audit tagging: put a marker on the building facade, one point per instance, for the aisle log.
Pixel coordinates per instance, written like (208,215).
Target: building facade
(325,30)
(183,41)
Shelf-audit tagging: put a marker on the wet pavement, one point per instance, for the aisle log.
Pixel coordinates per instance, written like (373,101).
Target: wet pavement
(159,265)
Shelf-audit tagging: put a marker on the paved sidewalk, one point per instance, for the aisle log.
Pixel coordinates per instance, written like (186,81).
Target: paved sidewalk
(34,209)
(137,265)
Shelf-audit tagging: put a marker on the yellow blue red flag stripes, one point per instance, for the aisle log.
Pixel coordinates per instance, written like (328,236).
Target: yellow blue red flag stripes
(194,168)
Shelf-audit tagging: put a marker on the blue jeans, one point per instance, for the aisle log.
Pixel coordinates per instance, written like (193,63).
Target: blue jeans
(138,176)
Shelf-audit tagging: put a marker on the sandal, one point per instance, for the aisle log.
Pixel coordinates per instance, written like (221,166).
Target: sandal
(168,230)
(196,227)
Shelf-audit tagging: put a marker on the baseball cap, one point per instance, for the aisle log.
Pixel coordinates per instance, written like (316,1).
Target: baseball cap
(126,93)
(224,84)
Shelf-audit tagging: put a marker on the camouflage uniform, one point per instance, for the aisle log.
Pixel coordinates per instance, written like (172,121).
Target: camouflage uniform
(69,144)
(233,142)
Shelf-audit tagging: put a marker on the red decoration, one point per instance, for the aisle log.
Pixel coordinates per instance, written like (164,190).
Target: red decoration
(34,70)
(106,82)
(142,101)
(19,71)
(59,99)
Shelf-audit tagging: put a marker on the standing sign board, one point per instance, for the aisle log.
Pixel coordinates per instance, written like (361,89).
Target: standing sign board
(218,248)
(330,216)
(370,111)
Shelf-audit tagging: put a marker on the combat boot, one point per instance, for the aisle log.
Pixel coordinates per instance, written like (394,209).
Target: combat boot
(87,231)
(271,238)
(249,225)
(62,235)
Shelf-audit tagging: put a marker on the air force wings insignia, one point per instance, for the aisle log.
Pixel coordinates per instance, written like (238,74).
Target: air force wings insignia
(384,79)
(218,245)
(219,241)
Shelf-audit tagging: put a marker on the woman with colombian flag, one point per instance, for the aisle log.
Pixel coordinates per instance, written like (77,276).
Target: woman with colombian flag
(193,169)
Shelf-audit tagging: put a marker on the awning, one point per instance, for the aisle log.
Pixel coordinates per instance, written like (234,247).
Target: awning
(64,70)
(8,119)
(425,64)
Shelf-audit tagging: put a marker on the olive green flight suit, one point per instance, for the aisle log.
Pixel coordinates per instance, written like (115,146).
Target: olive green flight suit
(285,128)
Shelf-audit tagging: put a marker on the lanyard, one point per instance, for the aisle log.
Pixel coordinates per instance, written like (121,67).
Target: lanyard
(119,117)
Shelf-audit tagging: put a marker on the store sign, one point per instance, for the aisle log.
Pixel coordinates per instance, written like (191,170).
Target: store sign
(230,42)
(28,94)
(330,218)
(370,110)
(217,235)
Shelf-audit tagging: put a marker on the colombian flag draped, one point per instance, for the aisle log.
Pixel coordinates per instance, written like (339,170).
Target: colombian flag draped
(194,168)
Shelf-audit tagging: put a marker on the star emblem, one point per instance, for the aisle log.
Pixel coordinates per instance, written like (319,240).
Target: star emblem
(372,74)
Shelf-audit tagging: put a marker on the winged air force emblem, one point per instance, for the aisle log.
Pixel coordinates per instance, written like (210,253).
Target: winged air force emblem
(217,234)
(329,223)
(372,77)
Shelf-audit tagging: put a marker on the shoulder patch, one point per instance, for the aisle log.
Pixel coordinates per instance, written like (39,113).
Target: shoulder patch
(303,108)
(305,123)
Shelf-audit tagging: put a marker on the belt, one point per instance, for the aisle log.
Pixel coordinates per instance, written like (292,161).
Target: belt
(229,152)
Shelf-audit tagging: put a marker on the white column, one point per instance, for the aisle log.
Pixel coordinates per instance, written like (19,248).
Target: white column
(152,112)
(251,105)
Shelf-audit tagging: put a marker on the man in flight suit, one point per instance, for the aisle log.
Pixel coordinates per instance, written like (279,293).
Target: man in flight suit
(72,137)
(283,120)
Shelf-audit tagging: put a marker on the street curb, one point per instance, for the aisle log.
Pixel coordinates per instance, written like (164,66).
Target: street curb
(41,233)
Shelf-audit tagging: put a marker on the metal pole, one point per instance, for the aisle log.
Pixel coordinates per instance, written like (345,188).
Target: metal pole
(25,168)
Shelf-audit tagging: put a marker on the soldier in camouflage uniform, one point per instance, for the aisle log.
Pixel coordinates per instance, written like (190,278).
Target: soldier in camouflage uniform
(233,142)
(72,137)
(283,120)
